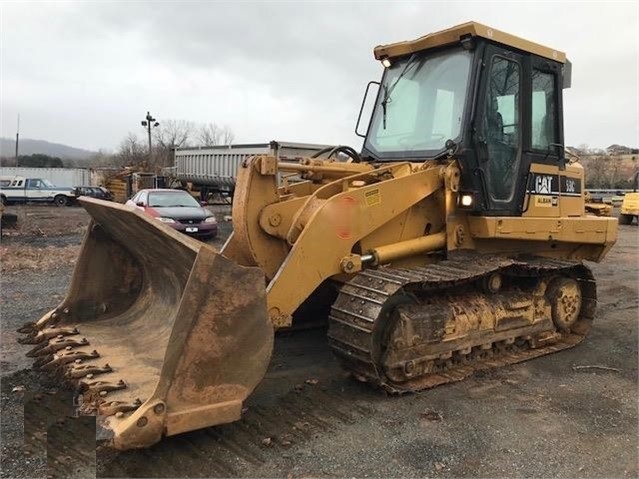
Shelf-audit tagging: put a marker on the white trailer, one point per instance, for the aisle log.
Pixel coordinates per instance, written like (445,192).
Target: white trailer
(64,177)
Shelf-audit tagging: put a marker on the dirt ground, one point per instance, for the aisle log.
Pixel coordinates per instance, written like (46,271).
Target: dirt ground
(547,417)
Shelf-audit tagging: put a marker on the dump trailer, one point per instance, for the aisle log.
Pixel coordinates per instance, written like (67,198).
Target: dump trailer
(213,169)
(452,242)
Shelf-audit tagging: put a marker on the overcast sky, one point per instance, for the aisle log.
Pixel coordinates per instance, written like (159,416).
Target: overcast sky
(85,73)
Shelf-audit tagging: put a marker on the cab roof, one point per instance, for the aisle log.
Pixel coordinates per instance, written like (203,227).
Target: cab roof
(455,34)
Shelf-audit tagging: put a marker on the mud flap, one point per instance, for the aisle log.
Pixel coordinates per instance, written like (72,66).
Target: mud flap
(159,332)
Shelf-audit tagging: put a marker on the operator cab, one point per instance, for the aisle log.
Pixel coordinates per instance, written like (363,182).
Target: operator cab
(492,100)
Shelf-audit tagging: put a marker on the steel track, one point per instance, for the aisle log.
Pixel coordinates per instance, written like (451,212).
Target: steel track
(359,317)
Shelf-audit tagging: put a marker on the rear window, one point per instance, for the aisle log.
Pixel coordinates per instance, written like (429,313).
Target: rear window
(171,199)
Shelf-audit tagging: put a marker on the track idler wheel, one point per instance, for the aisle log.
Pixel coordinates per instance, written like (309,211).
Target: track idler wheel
(564,295)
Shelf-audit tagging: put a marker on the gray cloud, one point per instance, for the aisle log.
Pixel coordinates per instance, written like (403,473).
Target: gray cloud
(86,73)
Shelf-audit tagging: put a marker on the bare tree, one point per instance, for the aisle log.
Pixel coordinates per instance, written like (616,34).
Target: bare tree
(604,171)
(211,134)
(103,159)
(131,152)
(169,135)
(583,149)
(173,133)
(8,161)
(595,169)
(228,135)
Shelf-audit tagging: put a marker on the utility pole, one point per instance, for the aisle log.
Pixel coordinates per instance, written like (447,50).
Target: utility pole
(149,122)
(17,139)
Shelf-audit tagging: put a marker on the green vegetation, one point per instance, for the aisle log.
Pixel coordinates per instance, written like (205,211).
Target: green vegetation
(38,160)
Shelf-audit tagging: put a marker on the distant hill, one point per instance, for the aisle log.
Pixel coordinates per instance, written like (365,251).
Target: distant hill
(29,147)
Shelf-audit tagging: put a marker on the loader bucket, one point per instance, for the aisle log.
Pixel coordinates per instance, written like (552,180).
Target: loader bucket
(159,332)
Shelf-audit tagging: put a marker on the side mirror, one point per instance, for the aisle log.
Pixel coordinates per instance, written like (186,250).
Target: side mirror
(203,203)
(369,109)
(139,203)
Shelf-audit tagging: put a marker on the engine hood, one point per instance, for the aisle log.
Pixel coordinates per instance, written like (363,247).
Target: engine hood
(179,212)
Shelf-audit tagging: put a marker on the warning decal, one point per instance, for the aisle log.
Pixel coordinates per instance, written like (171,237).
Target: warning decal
(373,197)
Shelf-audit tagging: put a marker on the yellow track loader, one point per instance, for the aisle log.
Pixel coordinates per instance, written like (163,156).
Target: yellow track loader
(453,242)
(630,203)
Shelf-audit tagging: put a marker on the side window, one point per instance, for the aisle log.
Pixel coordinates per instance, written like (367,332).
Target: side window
(544,130)
(142,198)
(502,104)
(502,127)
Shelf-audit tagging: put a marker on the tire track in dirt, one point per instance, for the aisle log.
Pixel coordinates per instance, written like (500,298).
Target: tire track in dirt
(224,451)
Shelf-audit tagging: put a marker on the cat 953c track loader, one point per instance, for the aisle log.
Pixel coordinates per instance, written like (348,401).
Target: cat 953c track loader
(454,242)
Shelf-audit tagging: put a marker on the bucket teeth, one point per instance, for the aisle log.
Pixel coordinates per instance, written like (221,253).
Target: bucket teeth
(52,319)
(40,350)
(55,345)
(32,328)
(36,337)
(28,328)
(101,387)
(61,358)
(113,407)
(77,371)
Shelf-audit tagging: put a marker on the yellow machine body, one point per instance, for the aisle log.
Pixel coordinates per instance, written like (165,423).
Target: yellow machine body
(630,204)
(163,334)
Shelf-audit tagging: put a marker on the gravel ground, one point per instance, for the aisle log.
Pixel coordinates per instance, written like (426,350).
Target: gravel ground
(546,417)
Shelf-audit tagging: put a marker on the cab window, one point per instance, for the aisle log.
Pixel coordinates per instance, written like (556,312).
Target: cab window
(544,131)
(502,126)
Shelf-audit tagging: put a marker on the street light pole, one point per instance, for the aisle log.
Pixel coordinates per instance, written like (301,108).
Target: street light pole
(149,122)
(17,140)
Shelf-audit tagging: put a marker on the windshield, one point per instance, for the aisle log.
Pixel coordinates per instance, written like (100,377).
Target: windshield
(47,183)
(167,199)
(420,104)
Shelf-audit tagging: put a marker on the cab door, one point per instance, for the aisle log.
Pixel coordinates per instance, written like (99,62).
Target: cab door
(37,190)
(547,183)
(503,166)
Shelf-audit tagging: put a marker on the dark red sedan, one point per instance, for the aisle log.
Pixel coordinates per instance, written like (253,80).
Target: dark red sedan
(178,209)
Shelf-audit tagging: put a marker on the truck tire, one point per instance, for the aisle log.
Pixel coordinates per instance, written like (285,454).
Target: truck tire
(625,219)
(61,200)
